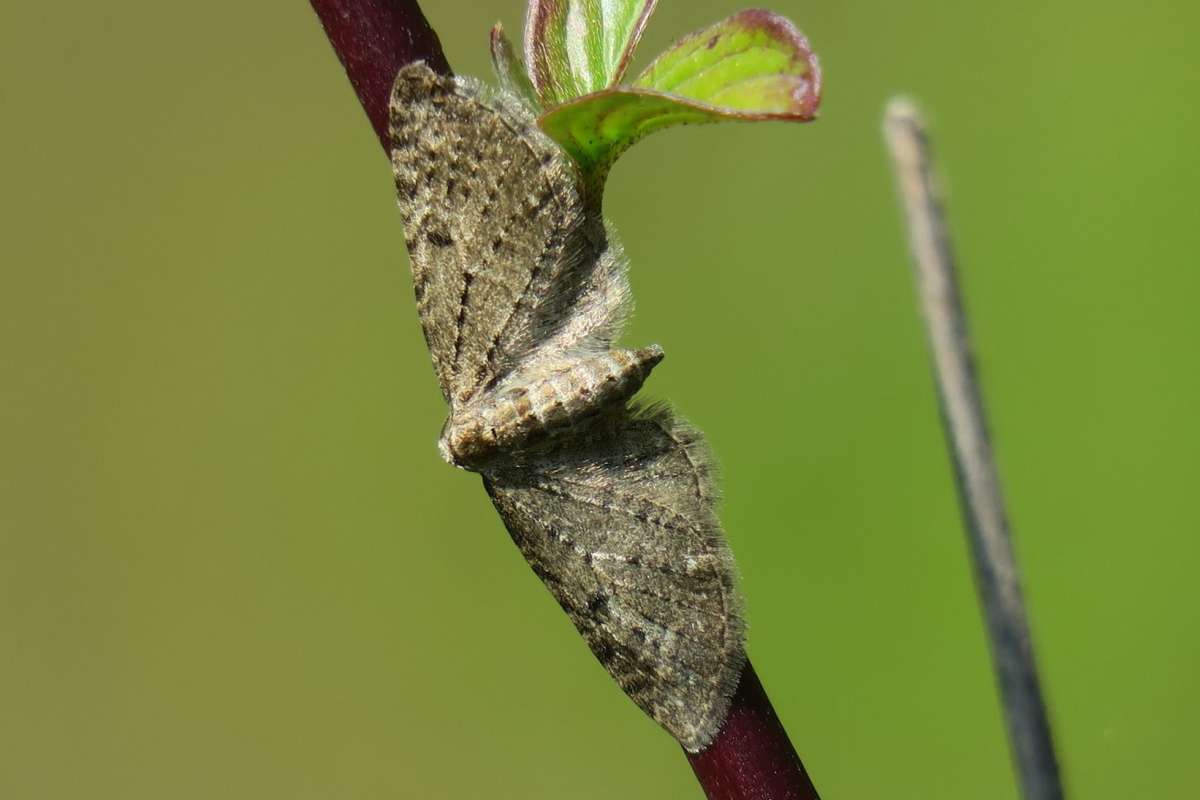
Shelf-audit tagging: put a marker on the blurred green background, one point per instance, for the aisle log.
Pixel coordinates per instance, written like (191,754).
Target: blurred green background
(232,564)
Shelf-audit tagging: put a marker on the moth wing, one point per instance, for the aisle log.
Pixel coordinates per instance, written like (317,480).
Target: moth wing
(494,221)
(619,523)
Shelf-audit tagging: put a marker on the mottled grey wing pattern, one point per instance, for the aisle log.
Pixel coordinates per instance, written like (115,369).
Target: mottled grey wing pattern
(521,290)
(501,248)
(619,523)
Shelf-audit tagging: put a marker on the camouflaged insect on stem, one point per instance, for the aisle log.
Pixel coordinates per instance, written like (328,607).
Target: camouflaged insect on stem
(521,290)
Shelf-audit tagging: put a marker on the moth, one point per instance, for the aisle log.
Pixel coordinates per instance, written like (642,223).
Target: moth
(521,290)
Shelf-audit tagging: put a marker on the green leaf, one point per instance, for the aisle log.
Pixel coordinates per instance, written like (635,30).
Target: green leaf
(597,128)
(754,65)
(575,47)
(510,70)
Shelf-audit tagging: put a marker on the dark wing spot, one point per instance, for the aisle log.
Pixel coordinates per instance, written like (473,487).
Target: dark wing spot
(636,686)
(598,604)
(463,303)
(604,651)
(542,201)
(439,238)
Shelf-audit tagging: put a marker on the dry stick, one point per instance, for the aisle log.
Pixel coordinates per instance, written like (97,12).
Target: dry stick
(752,757)
(996,577)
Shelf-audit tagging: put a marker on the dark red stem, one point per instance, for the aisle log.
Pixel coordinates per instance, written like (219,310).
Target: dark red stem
(751,758)
(374,39)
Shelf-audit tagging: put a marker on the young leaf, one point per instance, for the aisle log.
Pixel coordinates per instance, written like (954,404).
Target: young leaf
(596,128)
(510,70)
(574,47)
(624,22)
(754,65)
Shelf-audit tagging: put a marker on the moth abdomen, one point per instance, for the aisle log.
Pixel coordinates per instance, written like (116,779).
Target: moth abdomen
(548,400)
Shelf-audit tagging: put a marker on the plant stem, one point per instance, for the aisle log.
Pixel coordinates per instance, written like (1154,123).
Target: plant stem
(374,39)
(751,758)
(996,577)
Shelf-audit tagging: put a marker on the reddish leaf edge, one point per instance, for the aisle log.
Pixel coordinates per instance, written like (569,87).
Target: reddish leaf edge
(510,69)
(537,16)
(782,29)
(634,39)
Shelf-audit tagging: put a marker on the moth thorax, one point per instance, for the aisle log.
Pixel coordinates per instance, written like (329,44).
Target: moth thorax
(543,401)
